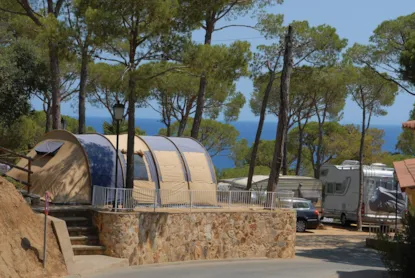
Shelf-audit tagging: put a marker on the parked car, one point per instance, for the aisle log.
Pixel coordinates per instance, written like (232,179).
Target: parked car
(308,217)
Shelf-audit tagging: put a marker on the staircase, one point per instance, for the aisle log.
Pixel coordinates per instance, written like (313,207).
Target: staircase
(82,233)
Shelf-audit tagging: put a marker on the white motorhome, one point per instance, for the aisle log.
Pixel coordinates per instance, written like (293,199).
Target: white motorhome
(381,194)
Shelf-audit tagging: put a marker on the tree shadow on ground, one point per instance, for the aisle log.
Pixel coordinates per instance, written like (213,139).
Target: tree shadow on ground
(353,253)
(363,274)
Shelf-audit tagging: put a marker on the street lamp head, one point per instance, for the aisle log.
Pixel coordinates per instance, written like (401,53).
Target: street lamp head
(118,109)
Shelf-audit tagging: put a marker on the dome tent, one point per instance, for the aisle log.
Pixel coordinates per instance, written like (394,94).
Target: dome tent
(68,165)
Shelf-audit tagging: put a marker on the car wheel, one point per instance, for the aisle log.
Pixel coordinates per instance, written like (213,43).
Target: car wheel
(301,225)
(344,221)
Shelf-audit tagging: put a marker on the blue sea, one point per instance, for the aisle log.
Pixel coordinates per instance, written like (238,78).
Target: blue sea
(247,130)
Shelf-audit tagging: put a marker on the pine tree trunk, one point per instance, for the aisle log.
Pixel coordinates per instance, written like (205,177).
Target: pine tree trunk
(259,129)
(48,114)
(300,148)
(361,177)
(182,127)
(55,84)
(82,92)
(131,132)
(282,115)
(200,102)
(285,153)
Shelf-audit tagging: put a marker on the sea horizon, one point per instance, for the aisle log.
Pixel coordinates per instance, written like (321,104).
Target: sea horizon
(247,130)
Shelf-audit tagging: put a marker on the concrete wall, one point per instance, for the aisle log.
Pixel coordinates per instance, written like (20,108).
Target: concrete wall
(157,237)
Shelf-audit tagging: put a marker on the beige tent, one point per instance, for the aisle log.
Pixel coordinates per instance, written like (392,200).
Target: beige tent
(60,166)
(164,168)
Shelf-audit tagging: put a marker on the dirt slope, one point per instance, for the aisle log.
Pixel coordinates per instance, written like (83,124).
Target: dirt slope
(21,239)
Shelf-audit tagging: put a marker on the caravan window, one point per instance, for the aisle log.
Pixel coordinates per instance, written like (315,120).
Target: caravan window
(340,188)
(330,188)
(140,170)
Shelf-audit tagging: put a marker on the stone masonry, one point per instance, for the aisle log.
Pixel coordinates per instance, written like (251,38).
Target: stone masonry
(158,237)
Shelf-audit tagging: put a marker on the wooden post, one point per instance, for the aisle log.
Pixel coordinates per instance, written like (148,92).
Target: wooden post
(28,175)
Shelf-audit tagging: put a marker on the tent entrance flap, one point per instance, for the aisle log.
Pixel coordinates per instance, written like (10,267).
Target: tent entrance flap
(48,147)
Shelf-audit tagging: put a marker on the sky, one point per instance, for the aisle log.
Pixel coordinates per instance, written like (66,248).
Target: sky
(354,20)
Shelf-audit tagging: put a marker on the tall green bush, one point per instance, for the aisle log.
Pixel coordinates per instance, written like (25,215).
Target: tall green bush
(399,255)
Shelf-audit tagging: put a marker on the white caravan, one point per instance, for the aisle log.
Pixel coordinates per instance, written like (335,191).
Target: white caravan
(381,194)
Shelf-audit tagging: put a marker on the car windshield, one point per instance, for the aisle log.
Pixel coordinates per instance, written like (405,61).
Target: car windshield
(302,205)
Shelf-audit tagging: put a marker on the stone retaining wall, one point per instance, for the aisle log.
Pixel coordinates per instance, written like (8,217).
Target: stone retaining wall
(158,237)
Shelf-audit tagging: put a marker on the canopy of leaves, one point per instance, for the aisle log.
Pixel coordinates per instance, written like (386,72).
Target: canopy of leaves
(316,46)
(371,91)
(407,60)
(391,50)
(106,86)
(215,136)
(25,132)
(340,142)
(406,140)
(111,128)
(22,73)
(175,93)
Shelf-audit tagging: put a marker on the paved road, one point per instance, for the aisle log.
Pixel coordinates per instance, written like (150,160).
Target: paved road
(317,256)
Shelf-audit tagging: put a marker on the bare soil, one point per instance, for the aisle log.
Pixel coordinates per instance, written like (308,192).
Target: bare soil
(21,239)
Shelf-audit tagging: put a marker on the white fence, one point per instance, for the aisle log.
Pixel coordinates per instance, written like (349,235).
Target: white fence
(129,199)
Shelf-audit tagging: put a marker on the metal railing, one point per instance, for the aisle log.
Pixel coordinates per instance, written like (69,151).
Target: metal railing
(375,230)
(8,154)
(130,199)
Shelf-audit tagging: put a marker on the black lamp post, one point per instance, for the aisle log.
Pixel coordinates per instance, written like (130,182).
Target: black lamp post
(63,123)
(118,115)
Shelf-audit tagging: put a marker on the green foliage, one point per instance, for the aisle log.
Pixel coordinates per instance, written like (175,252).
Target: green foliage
(214,136)
(407,59)
(111,128)
(388,158)
(399,255)
(26,131)
(340,142)
(106,86)
(371,91)
(406,140)
(22,74)
(176,92)
(318,46)
(240,153)
(242,172)
(72,125)
(391,44)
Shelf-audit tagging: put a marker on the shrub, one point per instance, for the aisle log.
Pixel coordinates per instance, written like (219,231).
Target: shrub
(399,255)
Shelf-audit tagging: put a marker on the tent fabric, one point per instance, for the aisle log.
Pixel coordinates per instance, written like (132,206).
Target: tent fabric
(48,147)
(101,156)
(170,168)
(189,145)
(199,167)
(166,168)
(65,176)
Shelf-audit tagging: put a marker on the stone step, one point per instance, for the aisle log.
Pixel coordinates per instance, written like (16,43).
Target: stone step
(72,221)
(88,249)
(82,230)
(84,240)
(70,213)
